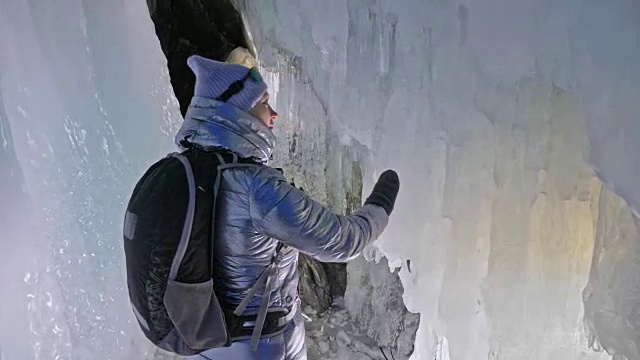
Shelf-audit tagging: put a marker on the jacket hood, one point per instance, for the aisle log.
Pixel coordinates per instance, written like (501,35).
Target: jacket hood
(212,124)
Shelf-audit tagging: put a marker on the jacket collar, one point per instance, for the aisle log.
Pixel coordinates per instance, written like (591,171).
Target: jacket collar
(211,124)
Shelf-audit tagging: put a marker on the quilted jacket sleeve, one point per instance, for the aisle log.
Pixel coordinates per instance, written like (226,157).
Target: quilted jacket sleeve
(281,211)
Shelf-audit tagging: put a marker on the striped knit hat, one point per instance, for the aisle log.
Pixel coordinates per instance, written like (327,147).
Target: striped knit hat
(213,78)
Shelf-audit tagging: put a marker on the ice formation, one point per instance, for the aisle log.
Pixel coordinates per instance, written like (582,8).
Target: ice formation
(488,110)
(85,105)
(495,113)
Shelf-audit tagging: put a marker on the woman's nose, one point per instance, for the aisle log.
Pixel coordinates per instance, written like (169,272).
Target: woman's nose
(272,113)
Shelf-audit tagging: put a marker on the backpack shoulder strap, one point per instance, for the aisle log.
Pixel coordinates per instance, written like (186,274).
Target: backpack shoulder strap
(189,218)
(216,187)
(265,280)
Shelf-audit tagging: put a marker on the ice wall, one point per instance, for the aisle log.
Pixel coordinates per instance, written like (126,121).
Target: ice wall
(607,54)
(488,110)
(85,106)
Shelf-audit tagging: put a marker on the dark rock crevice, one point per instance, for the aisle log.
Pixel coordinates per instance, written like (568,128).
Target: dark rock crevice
(187,27)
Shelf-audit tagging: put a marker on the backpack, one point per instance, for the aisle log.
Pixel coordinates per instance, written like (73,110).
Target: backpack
(168,242)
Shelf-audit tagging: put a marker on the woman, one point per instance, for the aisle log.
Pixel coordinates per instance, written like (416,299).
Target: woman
(257,209)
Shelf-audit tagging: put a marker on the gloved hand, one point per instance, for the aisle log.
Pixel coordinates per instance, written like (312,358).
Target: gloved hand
(385,191)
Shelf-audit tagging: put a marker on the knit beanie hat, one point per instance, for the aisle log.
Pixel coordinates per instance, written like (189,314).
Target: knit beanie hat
(213,78)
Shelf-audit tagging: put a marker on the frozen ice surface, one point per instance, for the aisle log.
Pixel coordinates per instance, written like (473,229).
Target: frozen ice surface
(85,106)
(495,113)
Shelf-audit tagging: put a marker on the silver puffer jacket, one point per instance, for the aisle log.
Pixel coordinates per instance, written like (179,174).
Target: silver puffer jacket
(257,207)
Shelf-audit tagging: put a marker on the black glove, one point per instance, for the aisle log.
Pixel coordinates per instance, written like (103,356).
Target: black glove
(385,191)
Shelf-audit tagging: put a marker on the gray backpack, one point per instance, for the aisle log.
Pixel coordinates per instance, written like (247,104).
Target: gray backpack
(168,242)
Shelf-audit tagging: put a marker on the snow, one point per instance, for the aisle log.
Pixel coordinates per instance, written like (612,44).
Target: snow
(503,119)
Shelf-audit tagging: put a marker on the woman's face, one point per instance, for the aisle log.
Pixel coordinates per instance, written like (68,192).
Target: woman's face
(263,111)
